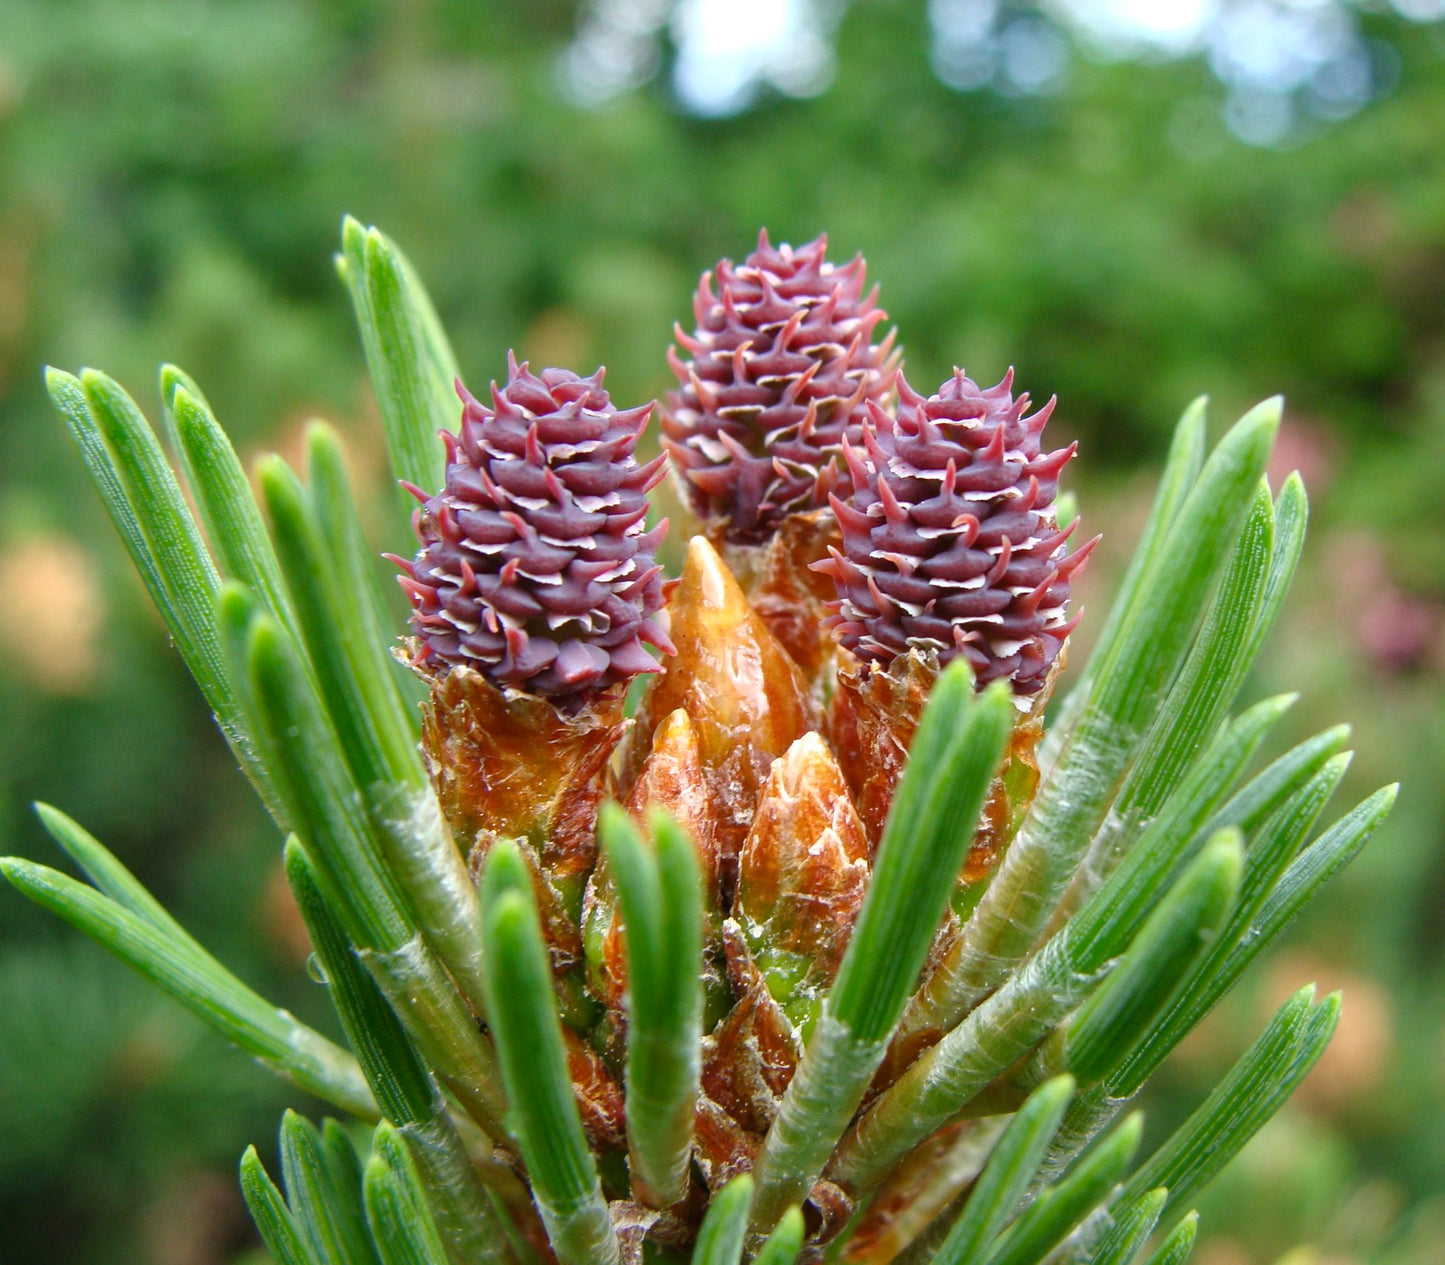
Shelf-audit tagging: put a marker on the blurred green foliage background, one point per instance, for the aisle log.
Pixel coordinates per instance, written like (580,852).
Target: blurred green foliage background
(1247,207)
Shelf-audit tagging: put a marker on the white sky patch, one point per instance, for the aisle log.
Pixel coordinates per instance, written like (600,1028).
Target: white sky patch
(1420,10)
(615,50)
(728,49)
(1120,27)
(1282,63)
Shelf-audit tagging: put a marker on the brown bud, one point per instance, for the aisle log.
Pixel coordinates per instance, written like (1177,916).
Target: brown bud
(750,1057)
(782,587)
(722,1148)
(916,1192)
(745,697)
(802,874)
(600,1101)
(672,779)
(637,1224)
(871,723)
(511,765)
(826,1213)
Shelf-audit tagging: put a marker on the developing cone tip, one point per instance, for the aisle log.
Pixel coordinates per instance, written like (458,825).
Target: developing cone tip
(536,566)
(950,539)
(776,374)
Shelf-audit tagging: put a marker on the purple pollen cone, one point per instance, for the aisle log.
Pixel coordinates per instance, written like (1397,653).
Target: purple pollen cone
(950,539)
(781,369)
(536,567)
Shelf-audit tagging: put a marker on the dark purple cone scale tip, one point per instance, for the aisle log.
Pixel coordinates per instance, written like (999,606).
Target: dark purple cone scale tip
(780,370)
(950,538)
(536,566)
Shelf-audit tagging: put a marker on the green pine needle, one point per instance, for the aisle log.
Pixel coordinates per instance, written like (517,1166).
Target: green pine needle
(1010,1169)
(542,1115)
(323,1193)
(187,973)
(268,1210)
(397,1212)
(1050,1218)
(724,1229)
(1178,1245)
(412,365)
(1249,1095)
(785,1242)
(223,496)
(1157,962)
(1133,1224)
(661,893)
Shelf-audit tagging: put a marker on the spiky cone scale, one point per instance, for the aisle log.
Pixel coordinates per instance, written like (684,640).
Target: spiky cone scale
(536,567)
(782,364)
(534,594)
(778,370)
(950,538)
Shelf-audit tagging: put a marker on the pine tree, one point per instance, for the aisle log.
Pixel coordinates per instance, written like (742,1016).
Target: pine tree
(760,915)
